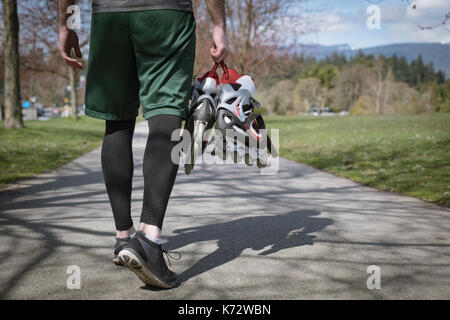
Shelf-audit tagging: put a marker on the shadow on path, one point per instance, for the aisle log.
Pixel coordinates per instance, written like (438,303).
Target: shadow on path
(272,233)
(38,250)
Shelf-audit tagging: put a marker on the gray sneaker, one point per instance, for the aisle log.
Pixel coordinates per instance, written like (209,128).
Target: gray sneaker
(145,258)
(120,243)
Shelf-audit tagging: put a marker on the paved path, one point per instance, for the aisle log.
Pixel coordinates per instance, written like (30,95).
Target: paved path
(301,234)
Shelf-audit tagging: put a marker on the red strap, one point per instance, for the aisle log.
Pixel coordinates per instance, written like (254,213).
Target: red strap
(213,71)
(225,69)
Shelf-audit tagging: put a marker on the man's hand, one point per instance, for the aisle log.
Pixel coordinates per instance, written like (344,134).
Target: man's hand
(219,51)
(216,9)
(68,40)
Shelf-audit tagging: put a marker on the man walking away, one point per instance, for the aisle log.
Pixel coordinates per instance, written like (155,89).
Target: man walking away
(141,53)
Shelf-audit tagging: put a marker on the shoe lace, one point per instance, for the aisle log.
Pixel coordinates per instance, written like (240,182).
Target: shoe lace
(169,255)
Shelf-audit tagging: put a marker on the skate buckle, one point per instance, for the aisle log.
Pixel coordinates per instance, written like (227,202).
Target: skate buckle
(254,103)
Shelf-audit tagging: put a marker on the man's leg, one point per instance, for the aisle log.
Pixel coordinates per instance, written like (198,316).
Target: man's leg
(118,166)
(143,254)
(159,173)
(164,45)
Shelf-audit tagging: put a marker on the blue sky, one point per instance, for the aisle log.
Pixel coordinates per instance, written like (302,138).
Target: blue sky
(345,21)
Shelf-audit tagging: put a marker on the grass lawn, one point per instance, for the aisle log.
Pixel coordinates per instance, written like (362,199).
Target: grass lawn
(405,154)
(45,145)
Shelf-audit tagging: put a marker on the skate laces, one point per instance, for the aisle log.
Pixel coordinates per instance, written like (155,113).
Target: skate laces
(169,256)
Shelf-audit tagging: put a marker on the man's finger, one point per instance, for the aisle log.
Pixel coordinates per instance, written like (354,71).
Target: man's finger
(214,56)
(78,51)
(65,53)
(218,55)
(72,62)
(216,52)
(76,64)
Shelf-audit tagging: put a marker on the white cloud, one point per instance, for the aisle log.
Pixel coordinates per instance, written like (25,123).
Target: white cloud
(399,23)
(334,22)
(431,4)
(407,32)
(427,13)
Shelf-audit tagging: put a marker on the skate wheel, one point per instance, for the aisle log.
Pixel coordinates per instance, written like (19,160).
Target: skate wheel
(196,148)
(248,160)
(262,161)
(188,169)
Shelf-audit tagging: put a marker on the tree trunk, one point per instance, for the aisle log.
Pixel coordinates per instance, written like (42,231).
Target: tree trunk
(73,93)
(13,108)
(387,89)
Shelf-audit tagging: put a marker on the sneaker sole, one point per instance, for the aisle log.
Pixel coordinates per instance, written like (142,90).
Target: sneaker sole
(117,262)
(131,261)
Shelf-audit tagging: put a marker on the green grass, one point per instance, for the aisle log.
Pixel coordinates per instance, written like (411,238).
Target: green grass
(405,154)
(45,145)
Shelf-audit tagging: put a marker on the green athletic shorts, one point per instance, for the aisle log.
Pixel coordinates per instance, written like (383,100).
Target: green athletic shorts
(140,58)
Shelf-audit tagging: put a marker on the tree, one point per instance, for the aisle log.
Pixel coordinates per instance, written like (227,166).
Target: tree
(349,86)
(309,93)
(363,106)
(327,74)
(379,84)
(257,32)
(277,98)
(337,60)
(440,77)
(402,70)
(13,108)
(444,104)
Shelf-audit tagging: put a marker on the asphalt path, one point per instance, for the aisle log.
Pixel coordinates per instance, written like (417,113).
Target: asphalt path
(297,234)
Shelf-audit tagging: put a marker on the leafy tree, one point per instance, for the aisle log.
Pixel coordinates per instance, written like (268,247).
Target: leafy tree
(444,102)
(416,72)
(337,60)
(402,70)
(440,77)
(326,74)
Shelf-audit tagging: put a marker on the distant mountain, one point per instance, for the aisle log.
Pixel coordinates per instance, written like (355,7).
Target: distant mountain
(321,52)
(438,53)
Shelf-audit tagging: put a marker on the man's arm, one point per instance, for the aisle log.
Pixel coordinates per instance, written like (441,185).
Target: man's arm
(216,9)
(68,38)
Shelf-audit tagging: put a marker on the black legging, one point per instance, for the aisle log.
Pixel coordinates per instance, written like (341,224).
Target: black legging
(159,170)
